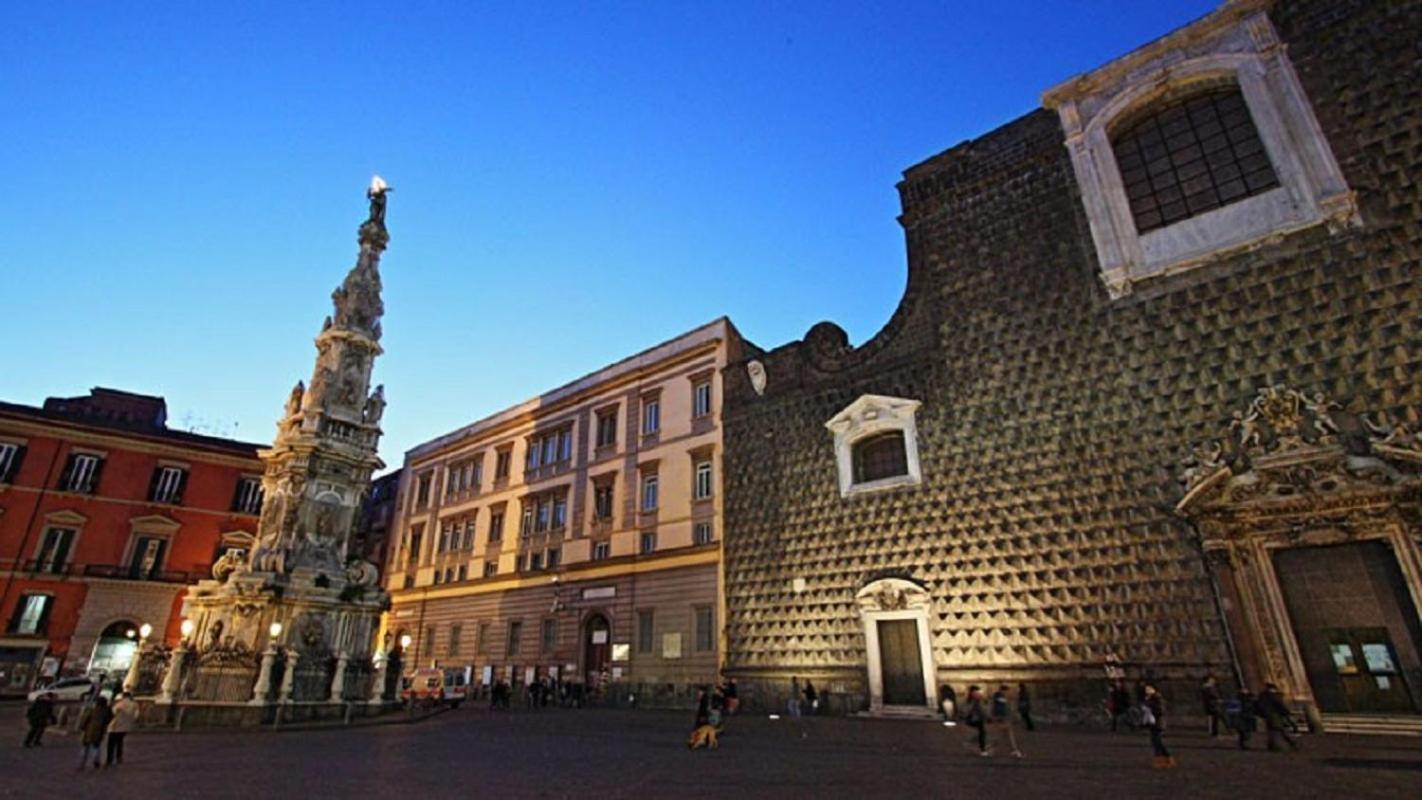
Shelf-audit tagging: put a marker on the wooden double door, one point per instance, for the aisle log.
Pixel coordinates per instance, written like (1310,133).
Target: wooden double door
(901,662)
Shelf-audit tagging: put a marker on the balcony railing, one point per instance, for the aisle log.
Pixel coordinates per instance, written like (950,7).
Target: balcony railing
(111,571)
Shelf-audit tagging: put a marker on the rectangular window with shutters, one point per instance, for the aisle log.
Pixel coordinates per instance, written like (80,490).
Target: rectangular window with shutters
(651,415)
(549,640)
(515,638)
(602,502)
(701,533)
(560,512)
(705,633)
(527,525)
(607,428)
(248,498)
(82,473)
(31,615)
(53,555)
(496,526)
(646,634)
(649,492)
(11,455)
(147,558)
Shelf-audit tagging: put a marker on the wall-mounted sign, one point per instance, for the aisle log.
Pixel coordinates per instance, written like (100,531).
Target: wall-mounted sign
(621,651)
(599,637)
(671,645)
(599,592)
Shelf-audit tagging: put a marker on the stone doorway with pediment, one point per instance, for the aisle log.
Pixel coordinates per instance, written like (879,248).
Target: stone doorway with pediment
(1309,514)
(898,646)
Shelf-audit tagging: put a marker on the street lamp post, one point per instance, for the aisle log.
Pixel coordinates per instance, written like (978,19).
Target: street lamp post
(263,689)
(377,685)
(130,679)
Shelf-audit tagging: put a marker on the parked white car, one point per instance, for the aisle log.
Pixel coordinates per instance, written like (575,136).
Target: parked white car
(69,689)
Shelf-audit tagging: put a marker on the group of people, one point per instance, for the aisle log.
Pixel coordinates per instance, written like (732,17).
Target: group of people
(713,705)
(98,721)
(990,717)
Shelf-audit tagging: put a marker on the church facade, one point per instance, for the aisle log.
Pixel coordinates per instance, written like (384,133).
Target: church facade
(1149,398)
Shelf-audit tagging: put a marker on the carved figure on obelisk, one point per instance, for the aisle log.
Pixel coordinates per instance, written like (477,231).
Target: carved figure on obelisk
(293,403)
(375,405)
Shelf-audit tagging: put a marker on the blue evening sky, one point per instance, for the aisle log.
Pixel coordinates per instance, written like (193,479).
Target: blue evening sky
(573,182)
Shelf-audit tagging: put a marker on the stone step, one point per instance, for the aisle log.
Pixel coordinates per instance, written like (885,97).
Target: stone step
(1392,724)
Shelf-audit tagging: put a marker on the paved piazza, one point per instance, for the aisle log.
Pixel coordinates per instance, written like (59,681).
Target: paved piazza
(607,754)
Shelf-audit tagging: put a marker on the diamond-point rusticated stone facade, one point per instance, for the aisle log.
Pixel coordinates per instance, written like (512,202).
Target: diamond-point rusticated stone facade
(1060,399)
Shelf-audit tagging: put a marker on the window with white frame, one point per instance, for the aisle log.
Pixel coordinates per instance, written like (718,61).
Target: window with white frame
(601,551)
(701,533)
(607,427)
(651,415)
(248,497)
(146,560)
(81,474)
(1197,145)
(11,455)
(649,492)
(491,568)
(648,543)
(876,444)
(602,501)
(496,525)
(704,484)
(701,398)
(167,484)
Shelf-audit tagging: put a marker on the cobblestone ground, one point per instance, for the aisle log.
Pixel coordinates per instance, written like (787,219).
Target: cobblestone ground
(611,754)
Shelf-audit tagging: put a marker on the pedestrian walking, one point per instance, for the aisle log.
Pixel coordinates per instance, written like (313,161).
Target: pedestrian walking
(1153,718)
(125,719)
(812,698)
(1277,719)
(1246,717)
(1000,718)
(1212,704)
(975,717)
(733,700)
(949,702)
(39,715)
(793,705)
(1024,707)
(93,724)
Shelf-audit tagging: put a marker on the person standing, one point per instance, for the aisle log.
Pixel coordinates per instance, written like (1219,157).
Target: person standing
(1000,717)
(1212,704)
(93,723)
(1246,720)
(40,715)
(1276,717)
(975,716)
(1120,704)
(812,698)
(1024,707)
(125,719)
(733,701)
(1153,717)
(793,706)
(949,702)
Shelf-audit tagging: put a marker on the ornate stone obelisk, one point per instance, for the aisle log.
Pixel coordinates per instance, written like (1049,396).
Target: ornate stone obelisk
(325,600)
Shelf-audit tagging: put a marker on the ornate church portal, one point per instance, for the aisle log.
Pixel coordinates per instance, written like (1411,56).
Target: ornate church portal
(1310,517)
(897,644)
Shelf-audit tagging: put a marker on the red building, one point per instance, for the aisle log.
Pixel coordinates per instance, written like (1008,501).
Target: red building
(106,516)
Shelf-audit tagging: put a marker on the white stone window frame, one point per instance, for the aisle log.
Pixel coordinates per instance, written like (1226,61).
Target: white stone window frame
(1236,43)
(62,520)
(870,415)
(153,526)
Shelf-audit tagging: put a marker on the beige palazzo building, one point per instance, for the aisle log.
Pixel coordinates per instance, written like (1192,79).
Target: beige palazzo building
(576,534)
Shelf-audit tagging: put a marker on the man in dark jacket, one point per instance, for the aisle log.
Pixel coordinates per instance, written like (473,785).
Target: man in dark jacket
(1212,704)
(1276,716)
(40,715)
